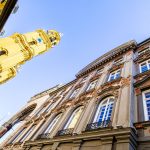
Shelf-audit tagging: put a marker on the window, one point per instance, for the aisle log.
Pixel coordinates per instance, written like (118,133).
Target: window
(74,118)
(114,75)
(2,52)
(40,111)
(10,132)
(52,124)
(84,79)
(27,134)
(74,93)
(104,110)
(17,135)
(146,103)
(118,61)
(50,106)
(91,85)
(99,71)
(143,51)
(145,66)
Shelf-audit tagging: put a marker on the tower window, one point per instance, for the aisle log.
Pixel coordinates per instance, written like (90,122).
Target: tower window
(2,52)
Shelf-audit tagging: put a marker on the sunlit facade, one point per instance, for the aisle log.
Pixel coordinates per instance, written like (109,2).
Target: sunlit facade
(106,107)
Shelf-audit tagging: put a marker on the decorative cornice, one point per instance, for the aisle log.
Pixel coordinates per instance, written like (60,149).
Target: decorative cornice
(107,57)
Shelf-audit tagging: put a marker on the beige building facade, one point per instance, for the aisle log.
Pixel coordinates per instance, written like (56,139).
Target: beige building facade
(106,107)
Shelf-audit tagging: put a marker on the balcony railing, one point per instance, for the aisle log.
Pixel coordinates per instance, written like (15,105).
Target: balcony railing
(98,125)
(44,136)
(65,132)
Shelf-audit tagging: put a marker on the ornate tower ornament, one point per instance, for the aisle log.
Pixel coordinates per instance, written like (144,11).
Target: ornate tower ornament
(19,48)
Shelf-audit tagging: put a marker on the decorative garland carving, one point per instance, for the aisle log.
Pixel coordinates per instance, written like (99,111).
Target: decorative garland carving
(125,81)
(116,66)
(109,90)
(95,77)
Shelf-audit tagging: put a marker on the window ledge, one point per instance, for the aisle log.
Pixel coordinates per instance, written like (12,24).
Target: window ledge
(112,82)
(142,74)
(142,57)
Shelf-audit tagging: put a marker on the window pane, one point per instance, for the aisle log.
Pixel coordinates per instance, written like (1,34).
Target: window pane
(144,68)
(27,133)
(105,110)
(52,124)
(147,95)
(74,118)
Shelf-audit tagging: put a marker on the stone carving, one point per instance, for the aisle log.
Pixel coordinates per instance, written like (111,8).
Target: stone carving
(125,82)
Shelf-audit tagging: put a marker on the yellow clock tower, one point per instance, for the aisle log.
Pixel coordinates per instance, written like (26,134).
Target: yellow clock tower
(19,48)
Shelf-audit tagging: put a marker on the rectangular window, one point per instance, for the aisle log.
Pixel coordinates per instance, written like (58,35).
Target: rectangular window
(27,134)
(74,93)
(144,66)
(146,103)
(84,79)
(114,75)
(143,51)
(91,85)
(118,61)
(99,71)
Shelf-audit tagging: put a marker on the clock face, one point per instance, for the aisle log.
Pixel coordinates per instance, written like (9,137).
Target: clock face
(39,40)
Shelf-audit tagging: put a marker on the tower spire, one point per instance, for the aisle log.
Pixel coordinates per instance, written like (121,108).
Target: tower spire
(19,48)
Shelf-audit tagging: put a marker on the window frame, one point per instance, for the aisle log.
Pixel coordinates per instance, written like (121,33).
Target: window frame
(144,105)
(72,94)
(98,110)
(88,87)
(71,117)
(52,124)
(114,72)
(147,62)
(27,133)
(143,51)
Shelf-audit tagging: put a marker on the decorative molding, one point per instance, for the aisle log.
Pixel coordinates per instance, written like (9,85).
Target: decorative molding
(116,66)
(125,82)
(142,57)
(107,91)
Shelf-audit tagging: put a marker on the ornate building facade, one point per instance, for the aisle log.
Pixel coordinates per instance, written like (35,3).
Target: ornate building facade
(106,107)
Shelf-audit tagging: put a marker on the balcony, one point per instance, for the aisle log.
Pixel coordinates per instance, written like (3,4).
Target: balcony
(98,125)
(65,132)
(43,136)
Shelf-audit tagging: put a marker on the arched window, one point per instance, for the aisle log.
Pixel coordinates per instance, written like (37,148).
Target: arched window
(52,124)
(10,132)
(74,118)
(104,110)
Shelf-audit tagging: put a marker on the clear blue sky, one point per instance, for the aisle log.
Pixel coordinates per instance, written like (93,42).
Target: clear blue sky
(90,28)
